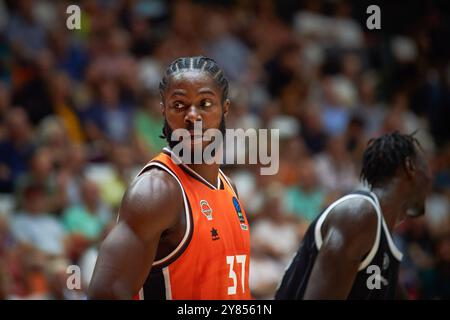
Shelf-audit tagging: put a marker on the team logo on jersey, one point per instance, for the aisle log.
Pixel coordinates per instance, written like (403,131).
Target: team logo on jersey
(214,234)
(206,209)
(239,213)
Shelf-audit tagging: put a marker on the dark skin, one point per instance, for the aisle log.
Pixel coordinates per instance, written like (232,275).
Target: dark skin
(349,232)
(193,96)
(152,218)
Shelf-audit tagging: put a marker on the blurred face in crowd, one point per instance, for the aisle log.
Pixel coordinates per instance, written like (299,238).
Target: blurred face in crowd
(294,149)
(122,157)
(53,133)
(34,200)
(45,63)
(90,193)
(58,41)
(26,9)
(312,121)
(351,65)
(336,148)
(307,175)
(76,158)
(118,42)
(400,102)
(443,249)
(41,163)
(343,9)
(60,84)
(367,90)
(183,22)
(274,206)
(109,93)
(193,96)
(216,26)
(18,125)
(329,92)
(392,122)
(4,98)
(290,58)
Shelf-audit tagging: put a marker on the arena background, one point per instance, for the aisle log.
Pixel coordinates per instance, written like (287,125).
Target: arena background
(79,115)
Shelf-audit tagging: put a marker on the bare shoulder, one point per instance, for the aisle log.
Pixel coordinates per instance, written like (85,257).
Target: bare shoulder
(353,224)
(349,234)
(354,211)
(153,200)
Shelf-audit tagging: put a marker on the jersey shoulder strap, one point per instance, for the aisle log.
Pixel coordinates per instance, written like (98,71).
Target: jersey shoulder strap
(361,195)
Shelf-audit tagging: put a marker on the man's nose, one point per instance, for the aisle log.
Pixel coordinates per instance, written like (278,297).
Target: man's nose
(192,115)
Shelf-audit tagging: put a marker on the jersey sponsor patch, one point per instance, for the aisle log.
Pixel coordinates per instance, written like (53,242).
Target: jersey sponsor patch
(239,214)
(206,209)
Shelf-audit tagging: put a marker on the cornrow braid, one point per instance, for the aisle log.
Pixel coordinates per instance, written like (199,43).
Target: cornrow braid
(385,155)
(200,63)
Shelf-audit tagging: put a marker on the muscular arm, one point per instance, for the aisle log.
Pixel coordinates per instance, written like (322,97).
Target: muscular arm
(126,255)
(349,233)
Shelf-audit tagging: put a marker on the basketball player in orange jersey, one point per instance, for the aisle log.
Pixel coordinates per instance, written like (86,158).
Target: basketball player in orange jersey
(182,232)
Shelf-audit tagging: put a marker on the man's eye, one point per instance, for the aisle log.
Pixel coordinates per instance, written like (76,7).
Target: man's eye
(206,103)
(178,105)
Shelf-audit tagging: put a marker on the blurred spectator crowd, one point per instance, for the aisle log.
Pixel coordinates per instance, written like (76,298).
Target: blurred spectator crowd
(79,115)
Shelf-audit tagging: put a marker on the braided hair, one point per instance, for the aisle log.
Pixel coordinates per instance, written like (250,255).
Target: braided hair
(199,63)
(385,155)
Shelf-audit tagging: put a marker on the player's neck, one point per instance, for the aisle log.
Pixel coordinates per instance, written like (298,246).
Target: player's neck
(391,206)
(209,172)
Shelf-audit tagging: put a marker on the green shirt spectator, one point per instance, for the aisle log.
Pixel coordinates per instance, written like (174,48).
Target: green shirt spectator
(78,219)
(90,217)
(305,205)
(149,123)
(307,198)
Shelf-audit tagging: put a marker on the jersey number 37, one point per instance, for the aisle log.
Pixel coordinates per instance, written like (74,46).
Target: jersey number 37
(240,260)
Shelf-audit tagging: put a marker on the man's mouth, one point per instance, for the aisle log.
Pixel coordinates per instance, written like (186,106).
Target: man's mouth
(196,137)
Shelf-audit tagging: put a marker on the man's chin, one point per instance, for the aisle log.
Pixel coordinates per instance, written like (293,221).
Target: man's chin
(192,147)
(198,141)
(192,144)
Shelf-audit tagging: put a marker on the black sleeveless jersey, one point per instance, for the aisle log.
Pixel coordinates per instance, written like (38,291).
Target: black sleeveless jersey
(378,272)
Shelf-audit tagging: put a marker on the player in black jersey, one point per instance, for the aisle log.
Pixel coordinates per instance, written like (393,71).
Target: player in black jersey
(348,252)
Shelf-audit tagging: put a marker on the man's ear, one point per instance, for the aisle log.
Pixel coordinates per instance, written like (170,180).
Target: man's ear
(410,167)
(226,107)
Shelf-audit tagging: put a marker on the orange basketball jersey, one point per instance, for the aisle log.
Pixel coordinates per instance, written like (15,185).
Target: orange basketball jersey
(212,261)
